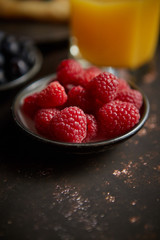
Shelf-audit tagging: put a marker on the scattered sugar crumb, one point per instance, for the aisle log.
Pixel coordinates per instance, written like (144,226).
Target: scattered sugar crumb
(134,219)
(133,203)
(157,168)
(117,173)
(142,132)
(9,222)
(110,198)
(75,206)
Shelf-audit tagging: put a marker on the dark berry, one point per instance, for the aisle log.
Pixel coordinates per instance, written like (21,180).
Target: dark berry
(18,67)
(10,46)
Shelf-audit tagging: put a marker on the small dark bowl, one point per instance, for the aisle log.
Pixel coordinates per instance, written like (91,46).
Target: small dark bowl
(27,76)
(76,148)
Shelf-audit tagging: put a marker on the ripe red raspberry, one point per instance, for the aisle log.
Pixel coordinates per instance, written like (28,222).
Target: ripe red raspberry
(78,96)
(123,84)
(104,87)
(87,75)
(67,71)
(92,128)
(42,120)
(117,118)
(30,106)
(131,96)
(53,95)
(70,125)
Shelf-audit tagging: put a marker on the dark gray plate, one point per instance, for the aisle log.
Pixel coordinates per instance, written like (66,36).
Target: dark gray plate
(26,77)
(80,148)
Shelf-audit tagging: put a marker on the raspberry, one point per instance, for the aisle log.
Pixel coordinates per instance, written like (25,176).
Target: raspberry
(104,87)
(78,96)
(131,96)
(53,95)
(30,105)
(123,84)
(92,128)
(70,125)
(42,120)
(87,75)
(116,118)
(67,71)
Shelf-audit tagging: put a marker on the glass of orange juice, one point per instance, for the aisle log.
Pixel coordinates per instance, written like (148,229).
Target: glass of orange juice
(114,33)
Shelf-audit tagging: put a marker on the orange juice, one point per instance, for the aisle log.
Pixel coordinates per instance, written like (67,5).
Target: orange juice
(117,33)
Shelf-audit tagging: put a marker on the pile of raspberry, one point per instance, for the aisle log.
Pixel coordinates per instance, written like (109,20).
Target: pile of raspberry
(83,105)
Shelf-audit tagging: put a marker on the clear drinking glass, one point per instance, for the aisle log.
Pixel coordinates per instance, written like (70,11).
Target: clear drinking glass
(119,34)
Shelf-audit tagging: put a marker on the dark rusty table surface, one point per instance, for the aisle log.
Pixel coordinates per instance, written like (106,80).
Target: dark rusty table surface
(108,196)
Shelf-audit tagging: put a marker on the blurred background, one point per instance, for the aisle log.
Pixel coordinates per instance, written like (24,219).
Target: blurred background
(42,21)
